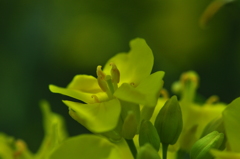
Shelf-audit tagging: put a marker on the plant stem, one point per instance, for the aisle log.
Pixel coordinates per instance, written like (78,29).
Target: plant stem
(164,150)
(132,147)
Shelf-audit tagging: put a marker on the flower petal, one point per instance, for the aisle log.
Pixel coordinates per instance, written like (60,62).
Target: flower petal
(85,97)
(84,83)
(146,93)
(134,66)
(82,87)
(82,96)
(55,131)
(231,120)
(87,147)
(97,117)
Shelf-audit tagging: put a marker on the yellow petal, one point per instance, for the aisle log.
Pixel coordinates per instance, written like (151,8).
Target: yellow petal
(146,93)
(88,147)
(97,117)
(134,66)
(84,83)
(82,96)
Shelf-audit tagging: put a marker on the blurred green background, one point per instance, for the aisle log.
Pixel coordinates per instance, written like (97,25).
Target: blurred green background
(49,41)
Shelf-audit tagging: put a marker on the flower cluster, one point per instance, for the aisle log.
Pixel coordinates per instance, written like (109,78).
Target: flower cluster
(131,116)
(112,100)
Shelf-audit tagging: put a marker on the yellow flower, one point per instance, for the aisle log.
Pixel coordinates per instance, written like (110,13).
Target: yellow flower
(125,77)
(195,116)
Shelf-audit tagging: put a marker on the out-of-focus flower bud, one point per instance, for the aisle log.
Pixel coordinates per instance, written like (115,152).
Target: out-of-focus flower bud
(169,121)
(130,125)
(147,152)
(148,134)
(201,148)
(214,125)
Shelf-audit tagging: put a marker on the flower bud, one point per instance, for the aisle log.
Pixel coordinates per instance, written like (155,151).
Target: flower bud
(148,134)
(201,148)
(147,152)
(169,121)
(214,125)
(130,125)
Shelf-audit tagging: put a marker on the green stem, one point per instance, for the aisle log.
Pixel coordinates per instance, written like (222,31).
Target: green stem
(110,84)
(132,147)
(164,150)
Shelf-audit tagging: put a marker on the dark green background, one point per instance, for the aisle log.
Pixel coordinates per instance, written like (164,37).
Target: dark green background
(49,41)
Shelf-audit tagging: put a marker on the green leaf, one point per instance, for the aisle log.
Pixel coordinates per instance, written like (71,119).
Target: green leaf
(134,66)
(97,117)
(231,119)
(146,93)
(87,147)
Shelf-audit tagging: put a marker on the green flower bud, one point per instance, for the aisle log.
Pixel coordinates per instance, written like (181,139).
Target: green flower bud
(214,125)
(148,134)
(147,152)
(201,148)
(130,125)
(169,121)
(188,138)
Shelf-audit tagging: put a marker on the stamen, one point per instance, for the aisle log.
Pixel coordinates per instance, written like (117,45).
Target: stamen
(164,93)
(95,98)
(102,84)
(100,73)
(212,99)
(115,73)
(101,79)
(190,76)
(189,83)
